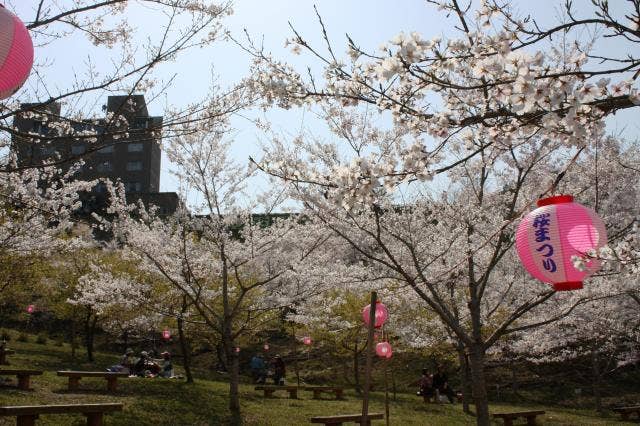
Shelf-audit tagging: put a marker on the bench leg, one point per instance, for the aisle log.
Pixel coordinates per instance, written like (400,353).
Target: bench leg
(27,420)
(3,359)
(339,394)
(316,394)
(74,383)
(94,419)
(293,394)
(112,384)
(23,382)
(268,393)
(531,420)
(508,422)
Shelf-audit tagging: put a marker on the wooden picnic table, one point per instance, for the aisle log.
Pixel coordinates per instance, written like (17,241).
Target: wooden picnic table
(270,389)
(28,414)
(509,417)
(24,376)
(346,418)
(317,391)
(75,376)
(626,412)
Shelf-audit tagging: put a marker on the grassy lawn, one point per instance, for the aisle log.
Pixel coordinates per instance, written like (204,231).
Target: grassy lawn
(173,402)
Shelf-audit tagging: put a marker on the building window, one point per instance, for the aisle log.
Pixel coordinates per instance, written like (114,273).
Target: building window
(133,186)
(78,149)
(106,150)
(104,167)
(141,123)
(134,166)
(48,150)
(135,147)
(39,127)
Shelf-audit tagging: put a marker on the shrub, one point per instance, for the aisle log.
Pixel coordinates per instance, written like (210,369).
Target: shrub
(22,338)
(41,339)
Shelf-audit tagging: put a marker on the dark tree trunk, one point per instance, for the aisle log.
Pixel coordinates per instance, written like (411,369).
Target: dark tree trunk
(465,380)
(356,368)
(596,382)
(186,351)
(479,385)
(90,328)
(74,340)
(234,377)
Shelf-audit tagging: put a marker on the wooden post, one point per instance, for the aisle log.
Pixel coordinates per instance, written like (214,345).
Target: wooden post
(367,371)
(386,393)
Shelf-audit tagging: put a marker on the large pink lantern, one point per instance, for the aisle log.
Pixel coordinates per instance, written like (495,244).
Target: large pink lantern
(552,235)
(306,340)
(381,314)
(16,53)
(383,350)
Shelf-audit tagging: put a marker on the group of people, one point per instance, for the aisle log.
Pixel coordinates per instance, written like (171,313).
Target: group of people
(260,372)
(144,365)
(435,386)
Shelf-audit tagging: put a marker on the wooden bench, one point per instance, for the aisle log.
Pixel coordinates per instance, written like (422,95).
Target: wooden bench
(24,376)
(28,414)
(317,390)
(346,418)
(626,412)
(3,356)
(75,376)
(509,417)
(269,390)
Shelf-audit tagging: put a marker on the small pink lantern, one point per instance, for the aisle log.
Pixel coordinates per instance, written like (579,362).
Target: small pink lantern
(381,314)
(237,350)
(16,53)
(166,334)
(383,350)
(559,230)
(306,340)
(266,346)
(31,309)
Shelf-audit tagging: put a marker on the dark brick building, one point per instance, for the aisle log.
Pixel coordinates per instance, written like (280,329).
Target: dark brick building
(123,151)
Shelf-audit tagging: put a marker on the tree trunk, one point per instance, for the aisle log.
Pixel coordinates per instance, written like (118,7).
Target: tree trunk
(234,379)
(74,341)
(356,369)
(90,328)
(229,349)
(186,351)
(596,382)
(465,382)
(478,385)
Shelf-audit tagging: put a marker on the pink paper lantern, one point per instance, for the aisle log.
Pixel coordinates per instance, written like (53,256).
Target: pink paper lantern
(16,53)
(381,314)
(31,309)
(266,346)
(166,334)
(237,350)
(550,236)
(383,350)
(306,340)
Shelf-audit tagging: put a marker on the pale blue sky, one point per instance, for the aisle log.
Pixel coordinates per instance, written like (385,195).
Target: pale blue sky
(369,22)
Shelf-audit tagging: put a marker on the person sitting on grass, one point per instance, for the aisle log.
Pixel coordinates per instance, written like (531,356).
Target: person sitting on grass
(126,363)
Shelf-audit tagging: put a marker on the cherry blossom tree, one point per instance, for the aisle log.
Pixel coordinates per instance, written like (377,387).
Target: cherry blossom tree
(502,114)
(235,270)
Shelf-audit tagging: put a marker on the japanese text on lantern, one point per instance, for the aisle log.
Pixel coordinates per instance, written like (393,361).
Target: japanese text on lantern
(541,223)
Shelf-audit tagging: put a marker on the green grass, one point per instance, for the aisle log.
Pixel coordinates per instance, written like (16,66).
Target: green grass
(173,402)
